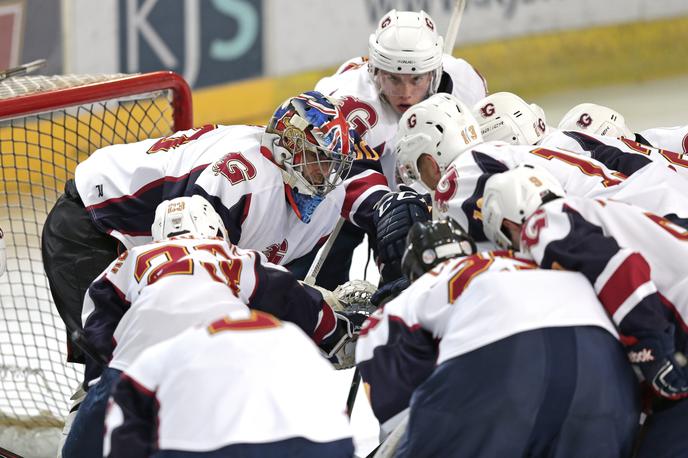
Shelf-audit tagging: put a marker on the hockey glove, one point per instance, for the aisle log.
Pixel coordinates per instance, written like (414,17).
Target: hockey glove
(660,369)
(389,291)
(394,215)
(340,346)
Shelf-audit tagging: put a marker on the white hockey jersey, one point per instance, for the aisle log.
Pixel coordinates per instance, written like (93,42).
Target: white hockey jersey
(459,192)
(154,291)
(622,154)
(465,304)
(673,139)
(242,382)
(375,120)
(629,255)
(121,186)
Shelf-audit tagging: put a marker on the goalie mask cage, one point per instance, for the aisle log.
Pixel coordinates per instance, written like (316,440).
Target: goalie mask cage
(48,124)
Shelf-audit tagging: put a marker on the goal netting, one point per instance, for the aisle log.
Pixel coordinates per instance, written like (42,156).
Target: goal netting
(48,124)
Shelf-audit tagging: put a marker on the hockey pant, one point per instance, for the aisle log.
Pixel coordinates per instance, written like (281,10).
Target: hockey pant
(74,253)
(664,432)
(552,392)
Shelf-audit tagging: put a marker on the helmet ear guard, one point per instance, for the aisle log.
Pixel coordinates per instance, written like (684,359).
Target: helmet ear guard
(431,242)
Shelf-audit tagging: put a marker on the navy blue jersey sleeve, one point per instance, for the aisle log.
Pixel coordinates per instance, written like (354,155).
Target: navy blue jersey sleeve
(136,435)
(279,293)
(398,367)
(110,305)
(620,276)
(489,166)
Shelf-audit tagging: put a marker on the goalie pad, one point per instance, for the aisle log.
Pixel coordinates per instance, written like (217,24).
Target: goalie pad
(352,308)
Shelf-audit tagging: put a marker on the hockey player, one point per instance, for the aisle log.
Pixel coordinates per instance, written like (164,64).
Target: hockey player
(444,148)
(278,190)
(405,65)
(189,274)
(244,385)
(635,260)
(601,120)
(494,363)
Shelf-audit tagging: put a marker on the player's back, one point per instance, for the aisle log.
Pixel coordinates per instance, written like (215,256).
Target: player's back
(261,381)
(459,192)
(664,245)
(667,138)
(171,285)
(471,302)
(121,185)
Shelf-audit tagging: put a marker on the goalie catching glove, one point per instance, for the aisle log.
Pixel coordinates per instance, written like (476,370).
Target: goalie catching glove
(351,302)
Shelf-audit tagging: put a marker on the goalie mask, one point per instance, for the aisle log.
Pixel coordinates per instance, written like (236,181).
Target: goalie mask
(187,215)
(506,117)
(432,242)
(405,42)
(514,195)
(596,119)
(440,126)
(309,139)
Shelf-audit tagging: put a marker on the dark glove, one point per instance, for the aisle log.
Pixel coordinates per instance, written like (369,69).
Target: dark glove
(660,369)
(389,291)
(340,346)
(394,215)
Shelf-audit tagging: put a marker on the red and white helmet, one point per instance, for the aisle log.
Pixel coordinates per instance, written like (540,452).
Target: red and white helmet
(507,117)
(187,215)
(440,126)
(596,119)
(514,195)
(406,42)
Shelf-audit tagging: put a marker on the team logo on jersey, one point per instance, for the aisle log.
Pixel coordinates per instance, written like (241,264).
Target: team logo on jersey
(276,252)
(446,188)
(235,167)
(488,110)
(411,122)
(530,234)
(584,121)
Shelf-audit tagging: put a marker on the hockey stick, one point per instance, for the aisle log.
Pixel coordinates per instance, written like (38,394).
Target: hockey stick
(22,69)
(453,27)
(4,453)
(321,256)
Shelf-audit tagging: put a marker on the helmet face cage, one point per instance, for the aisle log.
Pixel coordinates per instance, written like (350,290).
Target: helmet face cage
(187,215)
(506,117)
(440,126)
(406,42)
(595,119)
(318,142)
(431,242)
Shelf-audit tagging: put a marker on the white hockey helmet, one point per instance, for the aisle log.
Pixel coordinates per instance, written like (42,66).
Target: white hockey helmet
(507,117)
(187,215)
(441,126)
(514,195)
(406,42)
(596,119)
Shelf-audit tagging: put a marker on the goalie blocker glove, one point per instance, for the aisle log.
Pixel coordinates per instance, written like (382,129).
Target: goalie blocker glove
(394,215)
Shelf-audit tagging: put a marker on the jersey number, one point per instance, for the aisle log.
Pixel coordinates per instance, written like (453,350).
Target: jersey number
(585,166)
(175,260)
(168,143)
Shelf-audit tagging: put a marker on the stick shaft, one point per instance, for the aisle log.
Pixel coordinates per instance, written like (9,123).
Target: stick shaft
(454,24)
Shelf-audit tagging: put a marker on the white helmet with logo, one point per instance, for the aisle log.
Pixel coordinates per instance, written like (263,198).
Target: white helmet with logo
(514,195)
(596,119)
(187,215)
(406,42)
(440,126)
(507,117)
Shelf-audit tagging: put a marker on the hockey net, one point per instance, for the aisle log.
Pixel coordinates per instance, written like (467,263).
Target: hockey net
(48,124)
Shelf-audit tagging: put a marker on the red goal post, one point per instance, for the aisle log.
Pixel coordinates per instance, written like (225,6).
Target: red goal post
(48,124)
